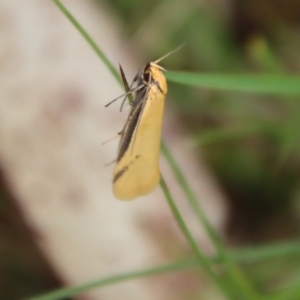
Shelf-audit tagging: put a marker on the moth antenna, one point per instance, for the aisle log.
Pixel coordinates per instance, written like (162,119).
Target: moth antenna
(168,54)
(158,66)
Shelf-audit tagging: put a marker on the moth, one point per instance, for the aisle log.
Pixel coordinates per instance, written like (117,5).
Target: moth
(136,172)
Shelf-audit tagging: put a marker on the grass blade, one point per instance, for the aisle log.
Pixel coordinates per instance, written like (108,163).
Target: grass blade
(256,83)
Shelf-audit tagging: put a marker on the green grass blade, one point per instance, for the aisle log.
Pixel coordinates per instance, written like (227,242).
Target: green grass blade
(251,255)
(237,277)
(262,253)
(72,291)
(256,83)
(203,261)
(90,41)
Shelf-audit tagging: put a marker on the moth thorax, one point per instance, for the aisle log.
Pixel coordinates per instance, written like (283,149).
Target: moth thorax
(158,76)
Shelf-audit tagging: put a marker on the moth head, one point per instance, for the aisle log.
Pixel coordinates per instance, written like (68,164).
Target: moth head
(152,70)
(154,74)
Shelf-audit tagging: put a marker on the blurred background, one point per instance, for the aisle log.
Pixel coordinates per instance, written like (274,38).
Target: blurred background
(249,142)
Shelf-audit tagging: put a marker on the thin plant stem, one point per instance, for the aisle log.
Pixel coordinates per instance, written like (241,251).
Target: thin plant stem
(251,255)
(232,269)
(90,41)
(72,291)
(198,253)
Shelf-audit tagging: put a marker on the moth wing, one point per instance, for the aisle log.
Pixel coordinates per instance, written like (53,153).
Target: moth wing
(137,171)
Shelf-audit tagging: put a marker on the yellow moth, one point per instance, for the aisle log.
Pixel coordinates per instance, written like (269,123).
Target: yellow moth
(136,172)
